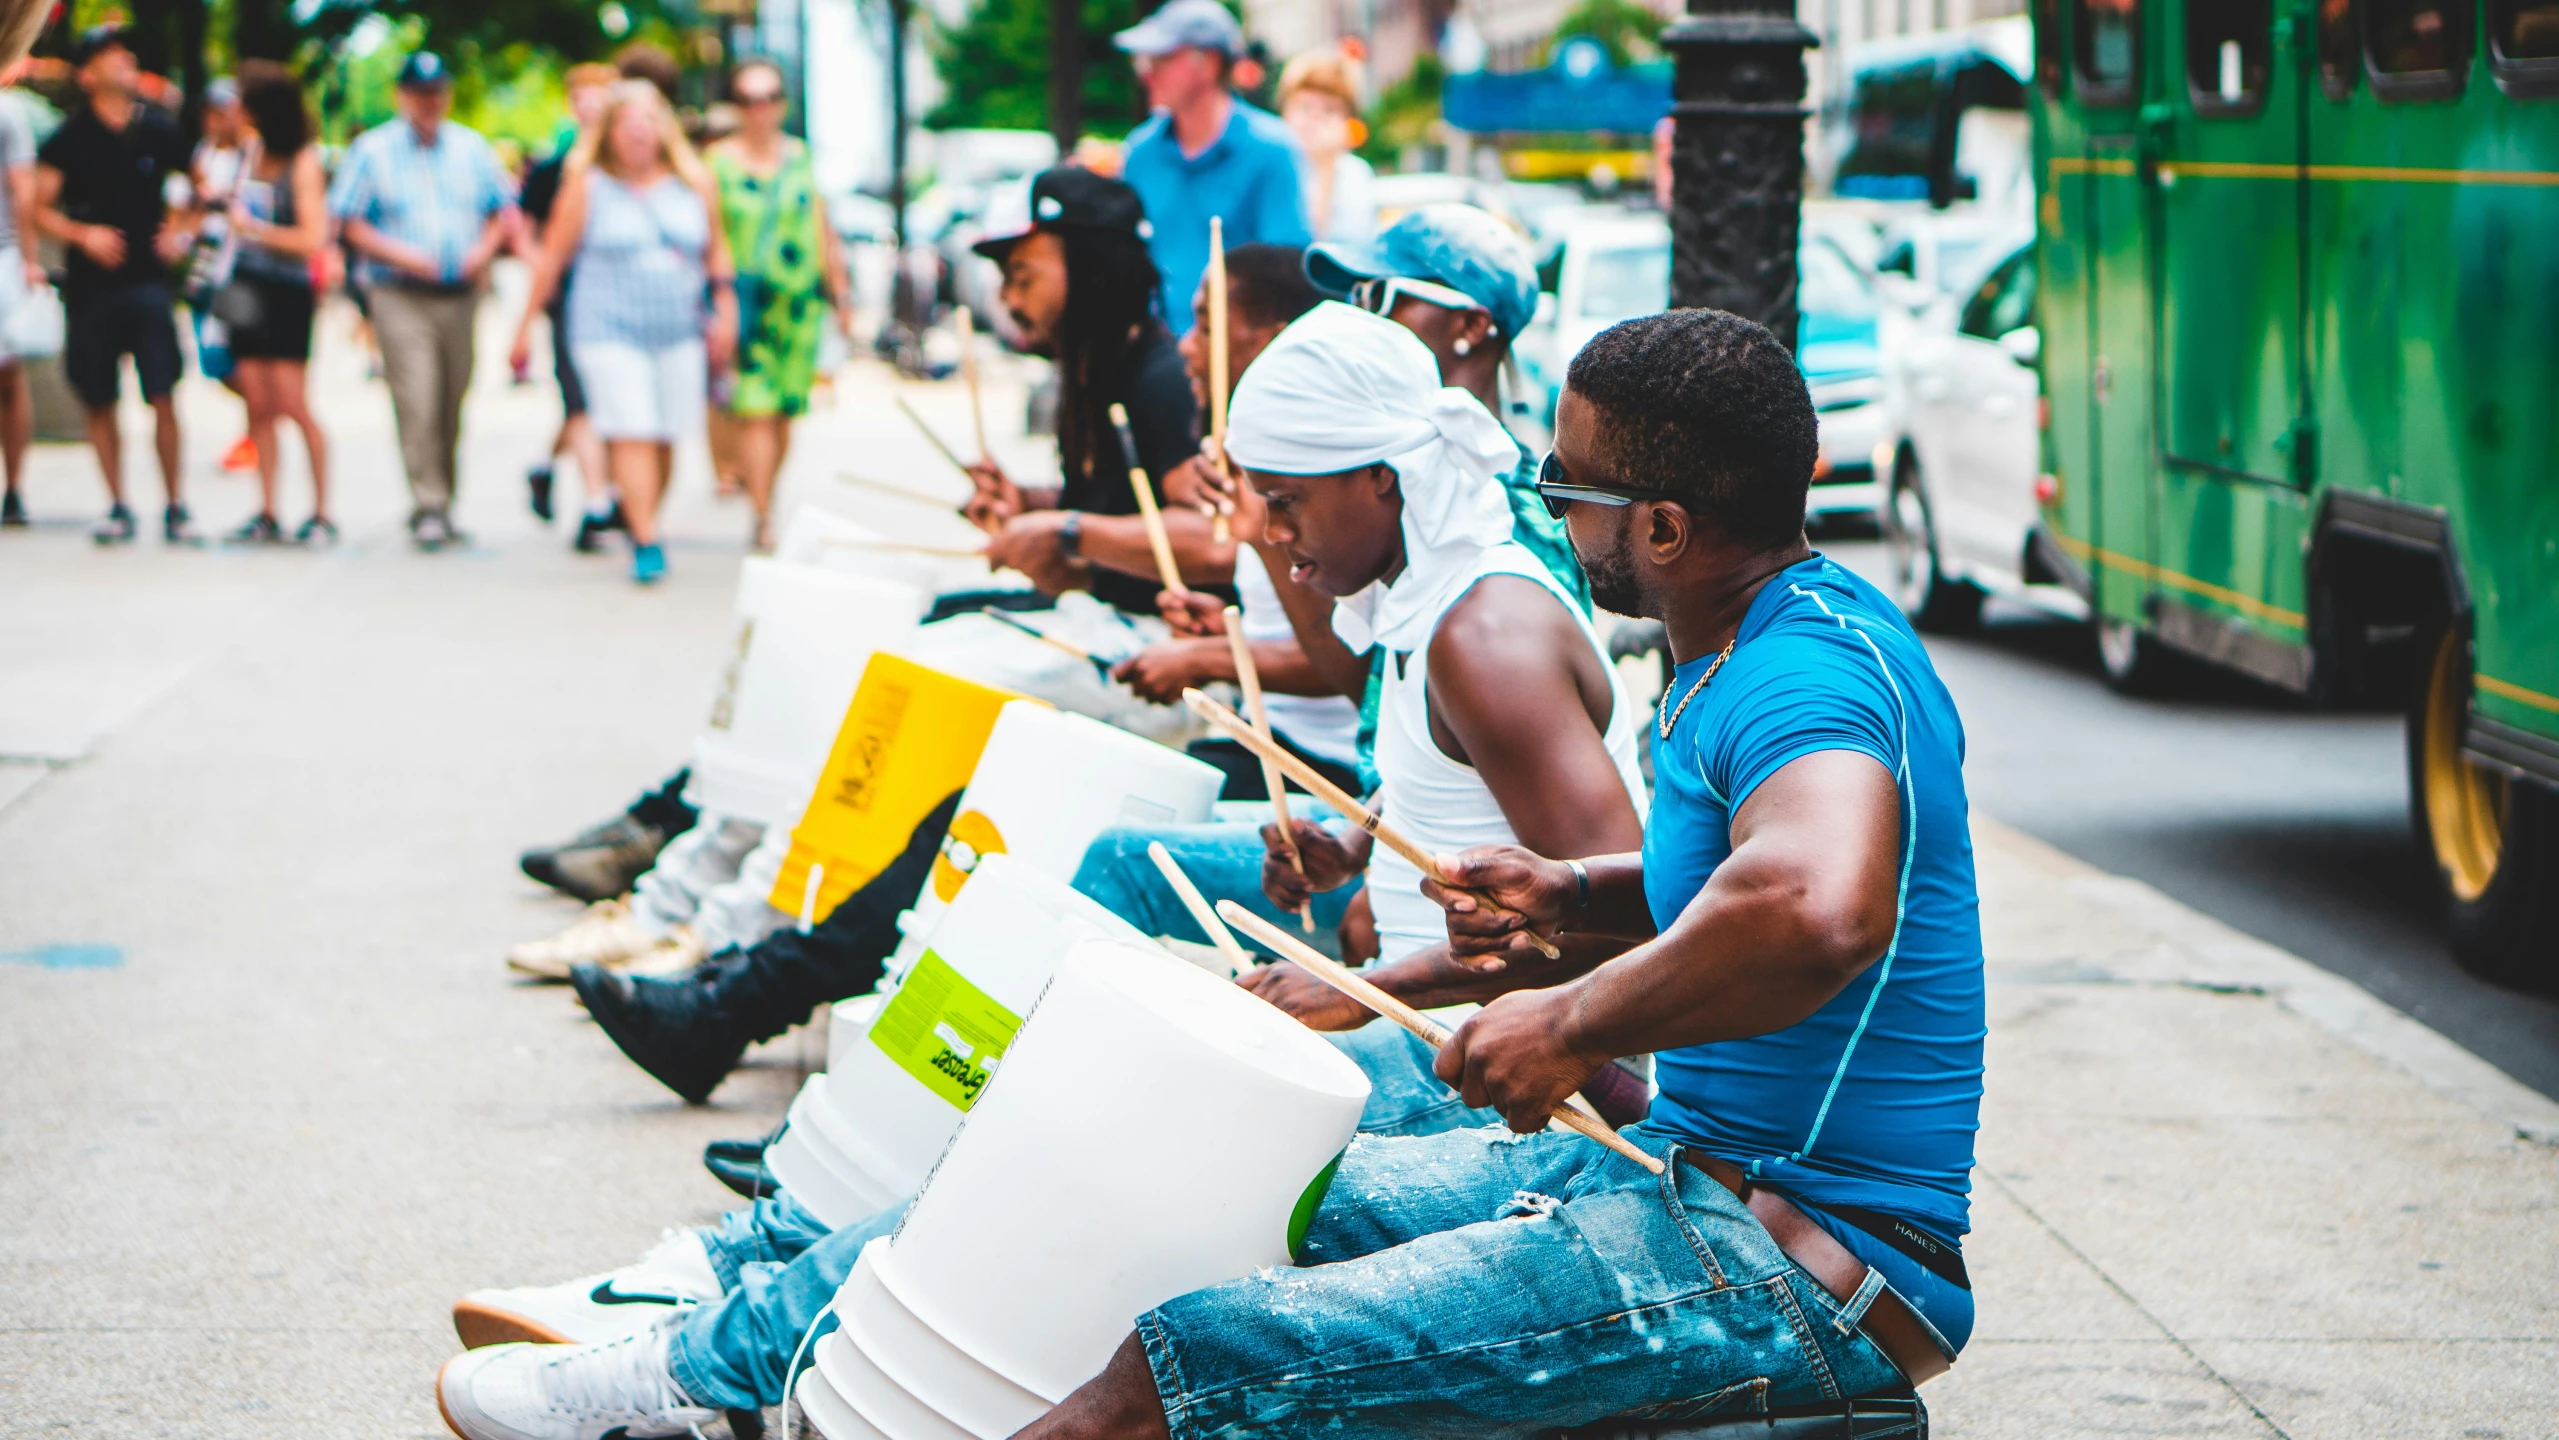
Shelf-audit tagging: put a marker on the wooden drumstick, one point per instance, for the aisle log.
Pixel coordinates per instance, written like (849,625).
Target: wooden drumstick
(1217,360)
(1273,782)
(1156,539)
(968,373)
(1332,794)
(933,435)
(1193,901)
(1430,1032)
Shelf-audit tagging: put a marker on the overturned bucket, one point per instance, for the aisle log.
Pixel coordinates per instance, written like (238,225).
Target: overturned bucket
(1155,1130)
(863,1135)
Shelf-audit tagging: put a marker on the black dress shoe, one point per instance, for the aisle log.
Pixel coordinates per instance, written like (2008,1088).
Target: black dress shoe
(674,1029)
(739,1164)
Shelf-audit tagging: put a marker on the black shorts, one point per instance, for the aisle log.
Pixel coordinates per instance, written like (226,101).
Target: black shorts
(279,327)
(103,326)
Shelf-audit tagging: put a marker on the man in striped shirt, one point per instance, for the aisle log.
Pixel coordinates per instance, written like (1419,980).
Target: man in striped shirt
(425,205)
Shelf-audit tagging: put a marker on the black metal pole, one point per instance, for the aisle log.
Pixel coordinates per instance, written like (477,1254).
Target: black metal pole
(897,127)
(1066,73)
(1737,158)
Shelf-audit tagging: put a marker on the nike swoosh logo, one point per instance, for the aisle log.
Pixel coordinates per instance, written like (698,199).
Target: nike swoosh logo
(605,1294)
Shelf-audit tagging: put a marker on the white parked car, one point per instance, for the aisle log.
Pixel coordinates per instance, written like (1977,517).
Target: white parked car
(1964,467)
(1615,266)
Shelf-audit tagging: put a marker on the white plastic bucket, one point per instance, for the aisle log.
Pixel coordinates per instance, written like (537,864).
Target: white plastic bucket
(863,1136)
(1157,1130)
(832,542)
(905,1352)
(1046,786)
(803,636)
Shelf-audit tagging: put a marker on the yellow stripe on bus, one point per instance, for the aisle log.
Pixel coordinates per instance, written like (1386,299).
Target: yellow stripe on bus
(2517,693)
(2241,170)
(2143,569)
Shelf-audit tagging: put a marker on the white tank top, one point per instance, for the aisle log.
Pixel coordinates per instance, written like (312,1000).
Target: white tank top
(1443,805)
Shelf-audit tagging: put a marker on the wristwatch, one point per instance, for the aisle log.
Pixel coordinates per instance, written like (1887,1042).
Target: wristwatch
(1070,538)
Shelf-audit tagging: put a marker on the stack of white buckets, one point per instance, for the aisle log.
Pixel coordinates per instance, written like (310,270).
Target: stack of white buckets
(808,620)
(1155,1130)
(862,1135)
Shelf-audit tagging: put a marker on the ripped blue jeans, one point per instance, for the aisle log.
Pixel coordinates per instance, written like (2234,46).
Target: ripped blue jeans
(1475,1284)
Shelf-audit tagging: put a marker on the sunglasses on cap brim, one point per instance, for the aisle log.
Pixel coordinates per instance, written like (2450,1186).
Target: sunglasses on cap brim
(1378,296)
(1557,489)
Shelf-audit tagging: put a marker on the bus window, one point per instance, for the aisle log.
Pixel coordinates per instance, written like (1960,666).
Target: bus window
(2109,36)
(2418,49)
(2340,57)
(2523,46)
(2226,52)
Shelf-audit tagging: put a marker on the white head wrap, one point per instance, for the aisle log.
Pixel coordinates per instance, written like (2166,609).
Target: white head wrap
(1342,388)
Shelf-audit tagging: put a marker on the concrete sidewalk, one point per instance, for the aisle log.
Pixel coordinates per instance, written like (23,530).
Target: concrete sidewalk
(246,1165)
(2223,1192)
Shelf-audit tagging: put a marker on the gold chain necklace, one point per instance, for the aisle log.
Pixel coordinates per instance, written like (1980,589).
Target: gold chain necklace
(1672,719)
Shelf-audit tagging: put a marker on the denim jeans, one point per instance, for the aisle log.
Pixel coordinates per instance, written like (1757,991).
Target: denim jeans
(1476,1284)
(781,1269)
(775,1230)
(1223,859)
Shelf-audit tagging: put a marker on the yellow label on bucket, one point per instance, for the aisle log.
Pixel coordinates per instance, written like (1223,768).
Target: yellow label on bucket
(910,738)
(944,1031)
(973,837)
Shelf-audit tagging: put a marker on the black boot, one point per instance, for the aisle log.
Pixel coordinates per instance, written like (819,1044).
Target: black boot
(689,1031)
(603,861)
(739,1164)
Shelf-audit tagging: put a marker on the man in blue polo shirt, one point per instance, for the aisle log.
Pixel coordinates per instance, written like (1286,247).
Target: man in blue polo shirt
(1204,152)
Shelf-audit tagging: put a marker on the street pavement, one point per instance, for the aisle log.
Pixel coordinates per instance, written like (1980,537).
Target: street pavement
(271,1102)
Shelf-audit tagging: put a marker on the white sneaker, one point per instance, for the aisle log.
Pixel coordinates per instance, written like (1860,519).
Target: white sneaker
(674,1274)
(567,1392)
(608,934)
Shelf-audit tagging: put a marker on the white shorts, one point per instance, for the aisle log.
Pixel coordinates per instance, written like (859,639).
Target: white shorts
(637,394)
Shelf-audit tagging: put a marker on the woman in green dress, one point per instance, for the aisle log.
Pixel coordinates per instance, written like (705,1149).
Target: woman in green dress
(789,268)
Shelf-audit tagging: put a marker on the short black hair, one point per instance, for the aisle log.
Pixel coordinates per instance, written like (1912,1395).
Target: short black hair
(1710,409)
(276,108)
(640,60)
(1267,284)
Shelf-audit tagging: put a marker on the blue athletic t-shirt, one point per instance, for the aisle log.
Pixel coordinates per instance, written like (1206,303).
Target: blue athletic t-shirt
(1874,1099)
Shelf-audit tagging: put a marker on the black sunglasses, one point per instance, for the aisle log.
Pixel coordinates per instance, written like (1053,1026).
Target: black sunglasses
(1559,492)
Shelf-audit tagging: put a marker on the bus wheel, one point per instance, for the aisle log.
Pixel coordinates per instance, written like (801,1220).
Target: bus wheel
(2494,843)
(2134,663)
(1932,601)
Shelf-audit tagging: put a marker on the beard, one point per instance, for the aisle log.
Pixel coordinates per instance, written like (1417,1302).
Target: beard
(1613,586)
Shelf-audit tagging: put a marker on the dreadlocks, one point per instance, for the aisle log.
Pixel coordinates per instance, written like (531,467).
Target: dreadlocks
(1111,286)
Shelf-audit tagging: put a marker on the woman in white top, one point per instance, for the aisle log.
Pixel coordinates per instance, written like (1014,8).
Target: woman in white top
(1500,713)
(1319,98)
(635,216)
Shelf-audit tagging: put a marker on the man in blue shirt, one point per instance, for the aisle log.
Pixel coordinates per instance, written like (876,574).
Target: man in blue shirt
(424,203)
(1204,152)
(1798,943)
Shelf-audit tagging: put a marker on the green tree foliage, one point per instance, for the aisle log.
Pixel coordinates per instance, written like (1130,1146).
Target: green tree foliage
(1405,112)
(994,68)
(1630,29)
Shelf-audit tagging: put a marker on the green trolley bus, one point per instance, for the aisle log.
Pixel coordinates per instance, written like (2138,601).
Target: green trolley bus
(2300,320)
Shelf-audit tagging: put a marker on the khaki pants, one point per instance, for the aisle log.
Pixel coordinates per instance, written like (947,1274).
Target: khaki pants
(426,359)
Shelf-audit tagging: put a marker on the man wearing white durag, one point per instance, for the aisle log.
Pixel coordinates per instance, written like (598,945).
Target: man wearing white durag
(1499,713)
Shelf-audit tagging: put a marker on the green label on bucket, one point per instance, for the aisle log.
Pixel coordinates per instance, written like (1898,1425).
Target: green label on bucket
(1307,1204)
(944,1031)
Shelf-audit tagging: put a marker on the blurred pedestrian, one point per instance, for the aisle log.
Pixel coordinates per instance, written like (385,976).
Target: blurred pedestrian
(1319,98)
(221,154)
(279,218)
(789,268)
(101,189)
(21,275)
(1204,151)
(634,215)
(425,203)
(641,60)
(590,87)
